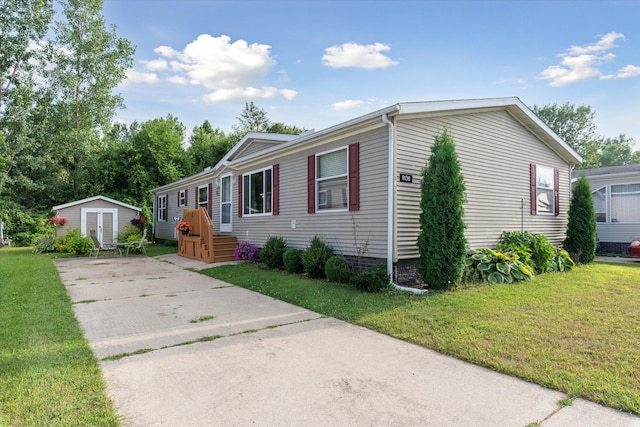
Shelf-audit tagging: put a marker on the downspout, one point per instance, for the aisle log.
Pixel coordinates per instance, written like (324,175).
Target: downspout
(391,191)
(391,196)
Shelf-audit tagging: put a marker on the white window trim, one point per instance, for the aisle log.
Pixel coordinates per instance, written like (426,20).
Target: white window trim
(318,155)
(609,204)
(182,198)
(270,213)
(166,208)
(227,227)
(553,192)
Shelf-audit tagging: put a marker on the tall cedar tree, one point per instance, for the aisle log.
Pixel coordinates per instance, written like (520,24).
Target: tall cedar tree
(581,230)
(441,243)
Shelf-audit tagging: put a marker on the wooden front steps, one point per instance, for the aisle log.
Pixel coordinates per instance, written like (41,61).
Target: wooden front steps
(200,243)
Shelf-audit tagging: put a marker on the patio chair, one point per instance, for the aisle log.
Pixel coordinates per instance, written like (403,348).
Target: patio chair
(138,244)
(97,246)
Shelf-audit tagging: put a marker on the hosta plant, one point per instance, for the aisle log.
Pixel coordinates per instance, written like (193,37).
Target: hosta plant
(561,261)
(487,265)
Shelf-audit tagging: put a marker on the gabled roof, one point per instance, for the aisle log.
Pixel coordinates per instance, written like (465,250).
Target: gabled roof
(607,171)
(91,199)
(512,105)
(516,108)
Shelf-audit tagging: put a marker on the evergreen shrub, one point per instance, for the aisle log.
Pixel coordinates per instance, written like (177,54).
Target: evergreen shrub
(581,238)
(315,257)
(372,280)
(292,260)
(272,252)
(337,269)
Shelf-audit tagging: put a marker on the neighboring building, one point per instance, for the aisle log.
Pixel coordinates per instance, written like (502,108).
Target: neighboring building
(107,216)
(616,198)
(358,182)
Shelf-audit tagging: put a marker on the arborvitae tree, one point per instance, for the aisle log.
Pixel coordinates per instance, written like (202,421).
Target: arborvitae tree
(581,230)
(441,244)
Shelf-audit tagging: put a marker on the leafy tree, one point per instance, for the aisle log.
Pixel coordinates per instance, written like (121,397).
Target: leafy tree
(581,229)
(441,242)
(285,129)
(252,119)
(207,146)
(89,62)
(618,151)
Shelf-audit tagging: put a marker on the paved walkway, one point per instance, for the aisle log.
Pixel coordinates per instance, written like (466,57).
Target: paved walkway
(194,351)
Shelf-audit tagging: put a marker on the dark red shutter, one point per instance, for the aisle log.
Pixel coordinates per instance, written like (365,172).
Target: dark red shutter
(157,210)
(178,204)
(210,201)
(556,191)
(532,190)
(354,177)
(275,190)
(197,199)
(186,200)
(239,196)
(311,184)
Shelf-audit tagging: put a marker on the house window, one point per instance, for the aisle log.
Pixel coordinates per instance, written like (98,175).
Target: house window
(256,192)
(545,185)
(625,203)
(203,197)
(162,208)
(600,204)
(182,198)
(332,180)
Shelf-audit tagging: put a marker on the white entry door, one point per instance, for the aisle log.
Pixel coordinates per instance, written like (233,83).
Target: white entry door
(103,221)
(225,204)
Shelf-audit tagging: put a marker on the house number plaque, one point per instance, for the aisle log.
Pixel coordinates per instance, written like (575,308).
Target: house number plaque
(405,177)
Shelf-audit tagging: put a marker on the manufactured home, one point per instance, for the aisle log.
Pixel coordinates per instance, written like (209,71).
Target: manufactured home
(357,184)
(616,198)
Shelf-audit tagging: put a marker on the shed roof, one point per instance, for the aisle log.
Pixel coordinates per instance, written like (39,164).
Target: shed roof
(91,199)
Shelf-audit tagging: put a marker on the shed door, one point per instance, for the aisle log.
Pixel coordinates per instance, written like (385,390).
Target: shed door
(104,221)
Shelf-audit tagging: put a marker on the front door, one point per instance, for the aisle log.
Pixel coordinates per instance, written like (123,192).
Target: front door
(225,204)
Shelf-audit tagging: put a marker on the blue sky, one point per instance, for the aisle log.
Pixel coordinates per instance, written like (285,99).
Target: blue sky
(315,64)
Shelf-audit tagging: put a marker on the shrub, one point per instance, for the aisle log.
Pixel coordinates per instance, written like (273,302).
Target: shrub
(62,243)
(246,251)
(561,261)
(581,239)
(372,280)
(292,259)
(45,244)
(22,225)
(170,243)
(337,269)
(272,252)
(128,232)
(315,257)
(541,252)
(487,265)
(80,245)
(441,243)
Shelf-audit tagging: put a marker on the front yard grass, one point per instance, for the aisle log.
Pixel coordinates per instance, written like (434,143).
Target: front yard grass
(48,374)
(576,332)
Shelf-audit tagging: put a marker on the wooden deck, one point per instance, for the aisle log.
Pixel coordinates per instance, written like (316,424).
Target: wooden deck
(201,243)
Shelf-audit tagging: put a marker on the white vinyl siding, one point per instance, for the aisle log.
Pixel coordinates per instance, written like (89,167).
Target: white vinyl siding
(495,152)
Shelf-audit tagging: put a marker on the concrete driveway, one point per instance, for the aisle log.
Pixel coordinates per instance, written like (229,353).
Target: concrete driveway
(195,351)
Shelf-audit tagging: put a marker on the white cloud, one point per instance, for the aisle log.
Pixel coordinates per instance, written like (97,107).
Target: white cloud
(358,56)
(347,105)
(134,76)
(230,70)
(582,63)
(155,65)
(234,94)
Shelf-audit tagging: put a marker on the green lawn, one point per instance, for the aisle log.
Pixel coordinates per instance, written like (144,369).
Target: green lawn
(577,332)
(48,374)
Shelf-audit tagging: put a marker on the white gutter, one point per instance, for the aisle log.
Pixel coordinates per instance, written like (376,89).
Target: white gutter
(391,196)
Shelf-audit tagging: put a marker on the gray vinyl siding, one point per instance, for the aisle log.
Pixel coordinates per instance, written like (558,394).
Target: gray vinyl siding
(253,148)
(337,228)
(495,152)
(615,232)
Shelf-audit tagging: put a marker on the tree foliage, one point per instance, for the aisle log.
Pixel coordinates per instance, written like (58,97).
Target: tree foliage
(576,126)
(441,243)
(581,229)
